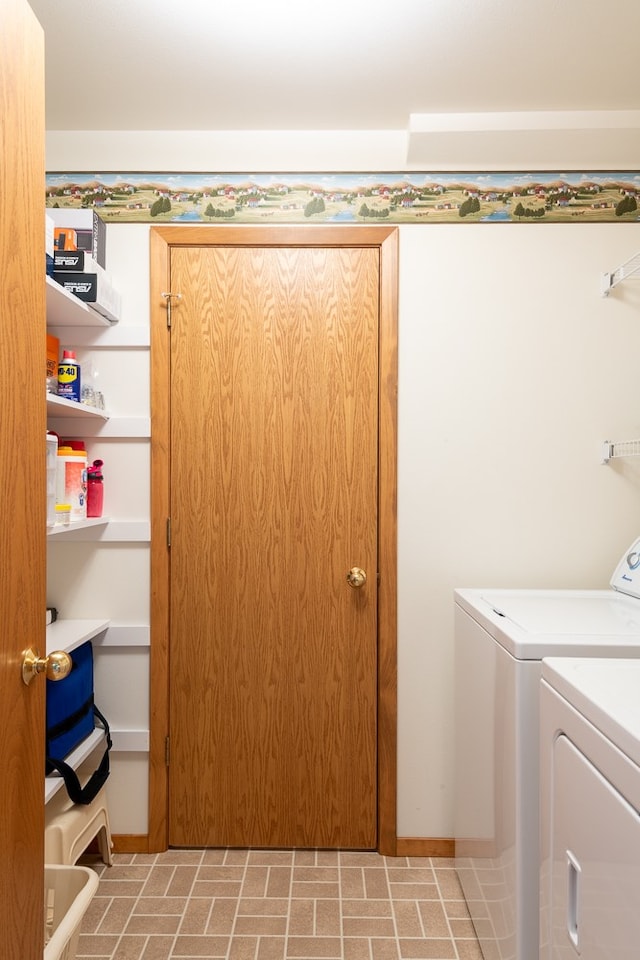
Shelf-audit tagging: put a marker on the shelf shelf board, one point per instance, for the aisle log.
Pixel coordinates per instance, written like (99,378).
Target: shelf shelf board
(69,634)
(105,530)
(116,336)
(130,741)
(66,310)
(129,635)
(61,407)
(62,529)
(54,781)
(113,428)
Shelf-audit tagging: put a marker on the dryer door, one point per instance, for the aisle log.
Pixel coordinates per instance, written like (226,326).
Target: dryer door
(595,836)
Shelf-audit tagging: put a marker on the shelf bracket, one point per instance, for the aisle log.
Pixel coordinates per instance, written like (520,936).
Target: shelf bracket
(630,268)
(616,449)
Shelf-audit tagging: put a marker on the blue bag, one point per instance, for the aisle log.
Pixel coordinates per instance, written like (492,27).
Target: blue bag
(71,717)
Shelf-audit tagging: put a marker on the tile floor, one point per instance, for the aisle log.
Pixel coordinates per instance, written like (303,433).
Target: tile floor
(277,905)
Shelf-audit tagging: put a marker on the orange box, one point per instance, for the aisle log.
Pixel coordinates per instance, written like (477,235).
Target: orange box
(53,353)
(65,238)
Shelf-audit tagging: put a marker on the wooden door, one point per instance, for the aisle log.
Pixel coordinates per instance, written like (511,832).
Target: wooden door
(274,413)
(22,479)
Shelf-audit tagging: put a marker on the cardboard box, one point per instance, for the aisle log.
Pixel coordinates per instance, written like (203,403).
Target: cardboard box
(53,353)
(93,288)
(99,248)
(49,244)
(64,238)
(91,230)
(68,260)
(49,228)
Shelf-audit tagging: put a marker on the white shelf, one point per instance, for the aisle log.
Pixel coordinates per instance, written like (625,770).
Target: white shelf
(113,428)
(105,530)
(79,323)
(61,407)
(116,336)
(628,270)
(68,634)
(130,741)
(137,635)
(66,528)
(54,781)
(617,449)
(66,310)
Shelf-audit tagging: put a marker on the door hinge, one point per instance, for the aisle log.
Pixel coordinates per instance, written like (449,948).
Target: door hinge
(166,751)
(169,297)
(168,531)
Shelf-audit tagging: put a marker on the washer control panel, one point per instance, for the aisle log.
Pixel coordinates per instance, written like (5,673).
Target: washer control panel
(626,577)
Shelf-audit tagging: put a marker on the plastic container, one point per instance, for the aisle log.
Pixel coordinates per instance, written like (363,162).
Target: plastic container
(52,466)
(68,892)
(71,481)
(62,514)
(69,380)
(95,489)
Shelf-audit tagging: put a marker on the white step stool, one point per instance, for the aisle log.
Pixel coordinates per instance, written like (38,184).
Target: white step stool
(70,828)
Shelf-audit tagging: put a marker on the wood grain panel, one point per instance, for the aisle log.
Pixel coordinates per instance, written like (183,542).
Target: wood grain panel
(22,478)
(164,239)
(274,497)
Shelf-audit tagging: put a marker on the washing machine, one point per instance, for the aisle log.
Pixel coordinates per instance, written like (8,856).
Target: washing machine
(590,809)
(501,638)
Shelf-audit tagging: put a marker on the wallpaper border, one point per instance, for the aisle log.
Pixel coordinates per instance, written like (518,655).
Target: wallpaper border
(366,198)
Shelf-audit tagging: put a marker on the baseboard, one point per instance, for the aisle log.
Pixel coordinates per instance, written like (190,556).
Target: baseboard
(405,846)
(130,843)
(424,847)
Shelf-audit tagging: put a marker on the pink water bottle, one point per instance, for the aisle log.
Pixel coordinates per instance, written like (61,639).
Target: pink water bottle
(95,489)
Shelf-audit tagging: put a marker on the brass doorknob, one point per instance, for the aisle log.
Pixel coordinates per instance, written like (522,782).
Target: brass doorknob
(356,577)
(56,666)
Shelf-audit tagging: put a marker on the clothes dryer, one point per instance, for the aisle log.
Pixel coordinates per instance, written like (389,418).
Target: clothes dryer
(590,809)
(501,637)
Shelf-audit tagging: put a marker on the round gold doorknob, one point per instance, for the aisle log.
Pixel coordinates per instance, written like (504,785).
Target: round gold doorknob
(356,577)
(56,666)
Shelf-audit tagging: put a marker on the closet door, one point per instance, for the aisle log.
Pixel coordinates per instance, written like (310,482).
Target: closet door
(22,479)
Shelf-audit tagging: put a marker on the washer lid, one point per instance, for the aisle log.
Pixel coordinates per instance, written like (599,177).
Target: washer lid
(532,624)
(564,613)
(605,692)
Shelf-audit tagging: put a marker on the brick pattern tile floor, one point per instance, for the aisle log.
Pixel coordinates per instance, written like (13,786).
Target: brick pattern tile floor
(277,905)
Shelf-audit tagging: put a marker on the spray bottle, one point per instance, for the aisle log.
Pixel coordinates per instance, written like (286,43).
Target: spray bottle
(69,377)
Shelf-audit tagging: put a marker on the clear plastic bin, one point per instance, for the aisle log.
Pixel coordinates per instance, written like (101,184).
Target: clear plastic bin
(68,891)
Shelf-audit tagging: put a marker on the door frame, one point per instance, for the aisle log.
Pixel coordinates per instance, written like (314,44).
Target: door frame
(385,239)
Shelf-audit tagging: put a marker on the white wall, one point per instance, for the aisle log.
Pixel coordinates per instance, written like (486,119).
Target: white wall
(513,370)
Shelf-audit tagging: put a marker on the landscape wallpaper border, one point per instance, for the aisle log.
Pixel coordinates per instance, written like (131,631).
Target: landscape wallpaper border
(367,198)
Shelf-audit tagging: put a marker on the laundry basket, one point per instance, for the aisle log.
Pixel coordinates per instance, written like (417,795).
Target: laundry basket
(68,891)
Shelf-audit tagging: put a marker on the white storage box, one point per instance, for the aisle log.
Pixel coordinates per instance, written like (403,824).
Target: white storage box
(68,891)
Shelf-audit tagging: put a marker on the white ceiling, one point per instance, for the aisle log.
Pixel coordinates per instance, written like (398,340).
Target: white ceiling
(332,65)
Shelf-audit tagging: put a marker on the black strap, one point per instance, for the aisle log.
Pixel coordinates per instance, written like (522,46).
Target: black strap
(77,793)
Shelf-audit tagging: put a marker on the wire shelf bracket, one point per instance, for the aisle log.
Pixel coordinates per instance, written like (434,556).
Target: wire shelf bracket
(628,270)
